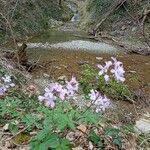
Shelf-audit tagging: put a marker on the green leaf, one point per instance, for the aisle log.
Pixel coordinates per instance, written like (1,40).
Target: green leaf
(118,141)
(62,121)
(95,139)
(90,117)
(52,141)
(42,134)
(111,131)
(30,119)
(64,145)
(45,140)
(13,127)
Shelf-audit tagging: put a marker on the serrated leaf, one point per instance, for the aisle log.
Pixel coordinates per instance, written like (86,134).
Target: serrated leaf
(52,141)
(13,128)
(42,134)
(95,139)
(64,145)
(111,131)
(62,121)
(118,141)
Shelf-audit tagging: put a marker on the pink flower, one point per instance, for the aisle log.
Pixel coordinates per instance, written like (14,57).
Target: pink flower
(105,68)
(106,77)
(72,86)
(118,70)
(57,91)
(50,103)
(48,99)
(2,90)
(63,94)
(93,95)
(101,102)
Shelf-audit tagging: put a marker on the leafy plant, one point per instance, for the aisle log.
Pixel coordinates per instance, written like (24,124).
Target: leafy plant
(8,107)
(115,134)
(96,139)
(45,140)
(114,89)
(88,78)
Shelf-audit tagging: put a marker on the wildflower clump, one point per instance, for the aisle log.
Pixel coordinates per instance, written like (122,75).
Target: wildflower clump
(113,69)
(104,83)
(5,84)
(56,91)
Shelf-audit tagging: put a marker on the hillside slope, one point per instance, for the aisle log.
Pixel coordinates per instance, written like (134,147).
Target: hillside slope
(118,19)
(30,16)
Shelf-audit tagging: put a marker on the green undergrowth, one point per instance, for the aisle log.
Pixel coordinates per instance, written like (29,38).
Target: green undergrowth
(113,89)
(21,111)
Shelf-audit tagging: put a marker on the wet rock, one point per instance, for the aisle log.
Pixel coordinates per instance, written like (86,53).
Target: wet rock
(62,78)
(46,75)
(143,125)
(123,27)
(81,62)
(99,58)
(134,29)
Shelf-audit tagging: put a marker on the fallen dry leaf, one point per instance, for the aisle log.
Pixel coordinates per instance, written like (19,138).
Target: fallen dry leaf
(82,128)
(6,127)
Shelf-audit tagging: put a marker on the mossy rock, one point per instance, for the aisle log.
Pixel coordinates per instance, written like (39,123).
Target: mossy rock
(22,138)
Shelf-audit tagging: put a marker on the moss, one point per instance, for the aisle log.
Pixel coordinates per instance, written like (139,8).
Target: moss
(22,138)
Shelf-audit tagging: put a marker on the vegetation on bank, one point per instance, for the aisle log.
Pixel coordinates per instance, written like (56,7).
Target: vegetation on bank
(22,18)
(119,18)
(59,119)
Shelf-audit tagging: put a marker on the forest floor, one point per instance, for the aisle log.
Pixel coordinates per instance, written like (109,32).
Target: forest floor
(25,123)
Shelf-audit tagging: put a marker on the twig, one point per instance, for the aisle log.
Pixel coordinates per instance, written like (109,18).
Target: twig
(145,140)
(9,25)
(34,63)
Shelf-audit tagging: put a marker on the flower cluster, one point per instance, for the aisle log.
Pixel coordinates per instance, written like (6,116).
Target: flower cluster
(57,91)
(117,70)
(101,102)
(5,84)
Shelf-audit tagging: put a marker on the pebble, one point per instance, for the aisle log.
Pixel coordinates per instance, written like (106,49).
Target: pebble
(63,78)
(99,58)
(143,125)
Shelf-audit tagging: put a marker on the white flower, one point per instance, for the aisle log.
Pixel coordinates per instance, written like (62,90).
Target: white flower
(6,79)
